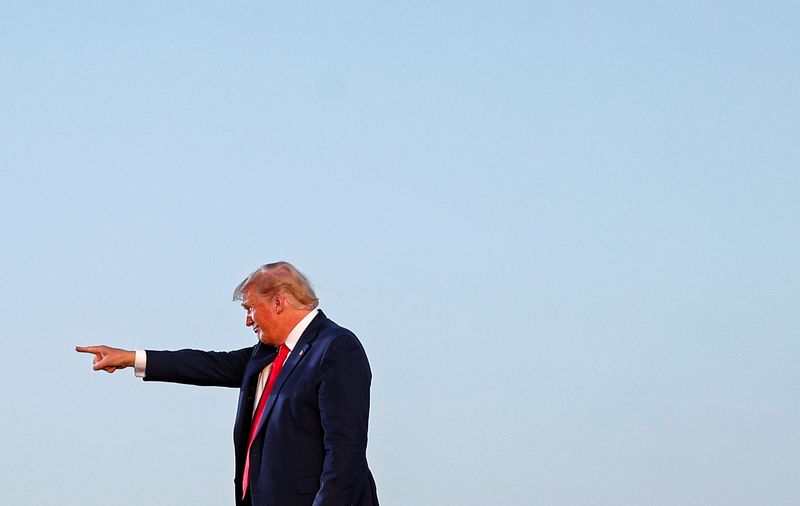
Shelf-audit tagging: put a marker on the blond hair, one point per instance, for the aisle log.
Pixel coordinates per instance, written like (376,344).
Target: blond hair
(280,277)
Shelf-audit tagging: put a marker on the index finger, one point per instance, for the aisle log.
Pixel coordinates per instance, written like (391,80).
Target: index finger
(88,349)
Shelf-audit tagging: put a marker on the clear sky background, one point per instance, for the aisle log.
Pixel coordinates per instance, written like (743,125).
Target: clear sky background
(565,232)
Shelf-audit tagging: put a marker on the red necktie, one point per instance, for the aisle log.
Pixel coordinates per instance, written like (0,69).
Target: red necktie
(277,365)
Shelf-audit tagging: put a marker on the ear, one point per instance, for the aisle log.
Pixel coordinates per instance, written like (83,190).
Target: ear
(278,302)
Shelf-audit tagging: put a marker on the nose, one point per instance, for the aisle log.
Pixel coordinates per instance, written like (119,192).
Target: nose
(248,321)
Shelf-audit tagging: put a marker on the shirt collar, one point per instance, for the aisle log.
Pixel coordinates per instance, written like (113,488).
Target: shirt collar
(298,329)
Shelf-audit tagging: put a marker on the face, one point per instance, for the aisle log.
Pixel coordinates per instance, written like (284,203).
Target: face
(261,316)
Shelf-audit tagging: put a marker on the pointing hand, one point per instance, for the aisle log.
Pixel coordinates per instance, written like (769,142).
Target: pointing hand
(107,358)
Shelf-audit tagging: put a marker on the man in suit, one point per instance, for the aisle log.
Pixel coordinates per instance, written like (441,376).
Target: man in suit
(300,435)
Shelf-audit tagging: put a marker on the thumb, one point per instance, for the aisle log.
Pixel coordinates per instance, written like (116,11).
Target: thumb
(99,363)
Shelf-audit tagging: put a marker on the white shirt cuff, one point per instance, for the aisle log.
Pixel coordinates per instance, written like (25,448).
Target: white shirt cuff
(140,363)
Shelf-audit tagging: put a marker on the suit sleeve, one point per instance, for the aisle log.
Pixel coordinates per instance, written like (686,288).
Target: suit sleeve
(344,413)
(195,367)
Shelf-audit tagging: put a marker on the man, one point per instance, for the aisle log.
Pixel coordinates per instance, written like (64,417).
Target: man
(300,435)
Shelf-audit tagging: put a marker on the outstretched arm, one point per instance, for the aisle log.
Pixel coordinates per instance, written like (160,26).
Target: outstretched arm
(193,367)
(107,358)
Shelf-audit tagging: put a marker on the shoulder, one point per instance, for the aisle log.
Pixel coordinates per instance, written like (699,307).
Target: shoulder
(333,334)
(335,341)
(343,358)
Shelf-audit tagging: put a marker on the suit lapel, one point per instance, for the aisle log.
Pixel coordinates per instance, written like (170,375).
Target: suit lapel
(262,355)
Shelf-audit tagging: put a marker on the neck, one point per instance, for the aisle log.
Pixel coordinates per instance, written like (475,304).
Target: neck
(290,319)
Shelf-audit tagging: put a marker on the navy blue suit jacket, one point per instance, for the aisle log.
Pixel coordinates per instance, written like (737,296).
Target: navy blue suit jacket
(311,446)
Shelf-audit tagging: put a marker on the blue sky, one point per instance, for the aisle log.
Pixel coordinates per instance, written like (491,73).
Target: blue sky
(566,233)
